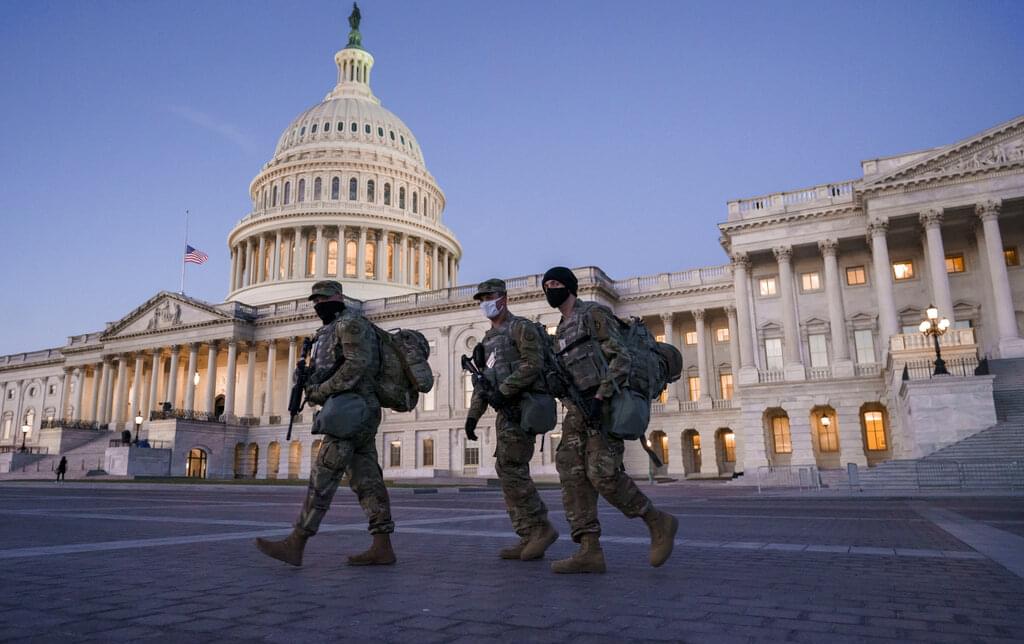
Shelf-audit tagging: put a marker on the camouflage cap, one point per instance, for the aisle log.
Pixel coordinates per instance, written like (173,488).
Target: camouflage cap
(326,288)
(493,285)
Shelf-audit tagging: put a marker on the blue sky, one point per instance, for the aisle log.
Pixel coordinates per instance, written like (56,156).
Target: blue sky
(571,132)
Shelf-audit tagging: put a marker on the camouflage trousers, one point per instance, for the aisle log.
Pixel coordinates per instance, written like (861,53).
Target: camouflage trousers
(358,457)
(512,463)
(590,463)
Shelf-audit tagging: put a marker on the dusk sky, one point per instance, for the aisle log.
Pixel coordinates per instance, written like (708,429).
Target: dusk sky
(569,132)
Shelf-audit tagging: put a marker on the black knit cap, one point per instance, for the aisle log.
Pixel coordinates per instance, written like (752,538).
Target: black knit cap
(563,275)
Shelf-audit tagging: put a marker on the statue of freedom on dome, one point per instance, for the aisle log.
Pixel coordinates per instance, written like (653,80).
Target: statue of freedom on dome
(355,39)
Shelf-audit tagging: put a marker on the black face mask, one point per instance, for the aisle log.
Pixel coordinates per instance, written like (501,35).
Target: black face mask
(328,310)
(556,296)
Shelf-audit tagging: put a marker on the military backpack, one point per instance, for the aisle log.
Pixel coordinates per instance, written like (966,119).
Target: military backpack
(404,370)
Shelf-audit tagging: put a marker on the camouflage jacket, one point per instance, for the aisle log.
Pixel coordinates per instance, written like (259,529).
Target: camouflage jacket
(351,340)
(514,362)
(589,327)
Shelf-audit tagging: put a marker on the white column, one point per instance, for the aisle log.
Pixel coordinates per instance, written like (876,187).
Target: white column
(154,382)
(887,324)
(435,271)
(404,261)
(277,260)
(247,266)
(250,377)
(64,400)
(670,338)
(229,390)
(120,391)
(734,345)
(97,387)
(380,255)
(79,388)
(1010,343)
(931,221)
(842,366)
(293,358)
(231,276)
(190,376)
(421,248)
(261,261)
(268,394)
(361,254)
(299,256)
(791,352)
(172,379)
(135,406)
(321,253)
(211,376)
(746,372)
(702,359)
(442,267)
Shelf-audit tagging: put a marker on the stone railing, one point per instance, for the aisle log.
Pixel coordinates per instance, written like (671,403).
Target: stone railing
(31,357)
(780,202)
(721,403)
(28,449)
(69,423)
(186,414)
(687,405)
(819,373)
(680,279)
(867,369)
(771,375)
(346,206)
(921,342)
(923,369)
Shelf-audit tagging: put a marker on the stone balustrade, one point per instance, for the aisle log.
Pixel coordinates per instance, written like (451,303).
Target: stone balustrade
(780,202)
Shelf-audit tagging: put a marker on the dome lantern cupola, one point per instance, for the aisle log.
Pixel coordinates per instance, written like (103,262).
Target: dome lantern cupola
(354,64)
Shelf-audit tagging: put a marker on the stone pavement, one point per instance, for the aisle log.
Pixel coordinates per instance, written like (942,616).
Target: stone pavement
(169,563)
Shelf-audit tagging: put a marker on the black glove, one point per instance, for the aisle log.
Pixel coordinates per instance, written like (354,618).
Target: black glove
(498,400)
(471,428)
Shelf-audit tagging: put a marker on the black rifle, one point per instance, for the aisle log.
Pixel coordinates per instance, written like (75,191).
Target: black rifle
(295,402)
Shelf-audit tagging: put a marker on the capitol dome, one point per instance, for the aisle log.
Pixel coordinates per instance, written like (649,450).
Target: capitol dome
(346,196)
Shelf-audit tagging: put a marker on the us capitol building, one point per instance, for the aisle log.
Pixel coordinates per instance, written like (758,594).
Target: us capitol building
(802,348)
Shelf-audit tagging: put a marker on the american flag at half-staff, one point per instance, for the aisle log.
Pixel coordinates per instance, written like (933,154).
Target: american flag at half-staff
(194,255)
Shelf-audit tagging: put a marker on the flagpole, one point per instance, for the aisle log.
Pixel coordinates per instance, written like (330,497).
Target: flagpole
(181,257)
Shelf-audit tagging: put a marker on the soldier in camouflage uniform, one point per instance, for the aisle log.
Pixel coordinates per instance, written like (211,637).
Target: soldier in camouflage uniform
(589,461)
(512,351)
(344,359)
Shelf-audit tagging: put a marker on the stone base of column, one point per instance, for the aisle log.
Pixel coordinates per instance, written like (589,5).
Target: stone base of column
(843,369)
(795,372)
(748,376)
(1011,348)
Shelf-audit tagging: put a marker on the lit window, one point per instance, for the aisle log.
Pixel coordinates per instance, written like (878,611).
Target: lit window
(725,384)
(729,439)
(828,436)
(773,353)
(690,337)
(855,276)
(335,188)
(865,343)
(471,455)
(396,454)
(767,286)
(389,257)
(903,270)
(722,334)
(819,350)
(1011,256)
(954,263)
(353,189)
(350,258)
(311,258)
(810,281)
(371,190)
(332,257)
(780,435)
(874,430)
(428,452)
(693,382)
(370,266)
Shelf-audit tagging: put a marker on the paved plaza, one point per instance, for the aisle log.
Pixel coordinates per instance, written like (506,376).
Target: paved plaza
(133,562)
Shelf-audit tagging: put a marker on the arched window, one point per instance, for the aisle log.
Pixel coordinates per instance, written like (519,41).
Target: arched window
(311,258)
(274,451)
(371,190)
(355,127)
(264,198)
(351,248)
(782,441)
(353,189)
(341,127)
(370,265)
(252,460)
(287,192)
(873,421)
(301,193)
(317,192)
(8,424)
(273,200)
(367,129)
(332,257)
(195,466)
(415,202)
(387,194)
(392,133)
(335,188)
(30,420)
(294,459)
(401,198)
(380,132)
(312,130)
(327,126)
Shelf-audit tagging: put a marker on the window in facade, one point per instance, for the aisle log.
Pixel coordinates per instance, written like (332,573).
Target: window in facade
(380,132)
(909,329)
(819,350)
(8,422)
(725,384)
(273,200)
(963,324)
(810,282)
(335,188)
(1010,256)
(327,126)
(353,189)
(30,420)
(370,265)
(828,435)
(300,195)
(425,211)
(781,439)
(302,132)
(722,334)
(395,459)
(864,341)
(355,127)
(266,266)
(874,430)
(471,455)
(467,388)
(401,198)
(195,466)
(773,353)
(693,384)
(264,195)
(429,399)
(855,276)
(332,257)
(317,189)
(287,192)
(371,191)
(311,258)
(690,337)
(415,201)
(955,263)
(367,129)
(903,270)
(428,452)
(392,134)
(402,137)
(351,248)
(312,129)
(729,440)
(340,127)
(387,194)
(283,260)
(767,286)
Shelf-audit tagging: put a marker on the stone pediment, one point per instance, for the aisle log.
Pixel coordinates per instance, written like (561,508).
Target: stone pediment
(999,148)
(165,312)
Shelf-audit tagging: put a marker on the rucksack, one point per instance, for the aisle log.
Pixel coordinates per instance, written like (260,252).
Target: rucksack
(654,364)
(549,373)
(404,370)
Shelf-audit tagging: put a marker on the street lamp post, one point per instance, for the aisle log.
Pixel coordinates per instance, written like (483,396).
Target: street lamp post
(25,429)
(935,327)
(138,424)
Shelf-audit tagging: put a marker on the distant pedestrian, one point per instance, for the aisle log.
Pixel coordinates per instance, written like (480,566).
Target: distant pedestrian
(62,467)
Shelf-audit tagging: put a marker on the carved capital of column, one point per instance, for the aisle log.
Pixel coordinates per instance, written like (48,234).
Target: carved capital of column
(828,247)
(698,314)
(988,209)
(666,317)
(877,228)
(930,218)
(730,311)
(783,253)
(741,259)
(444,329)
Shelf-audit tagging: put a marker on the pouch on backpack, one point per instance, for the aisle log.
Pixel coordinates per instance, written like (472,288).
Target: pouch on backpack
(342,416)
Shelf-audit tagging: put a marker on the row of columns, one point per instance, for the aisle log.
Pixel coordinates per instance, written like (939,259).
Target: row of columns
(288,257)
(704,369)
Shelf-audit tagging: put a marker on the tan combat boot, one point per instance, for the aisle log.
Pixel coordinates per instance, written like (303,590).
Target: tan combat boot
(663,527)
(589,558)
(514,552)
(379,554)
(539,541)
(288,550)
